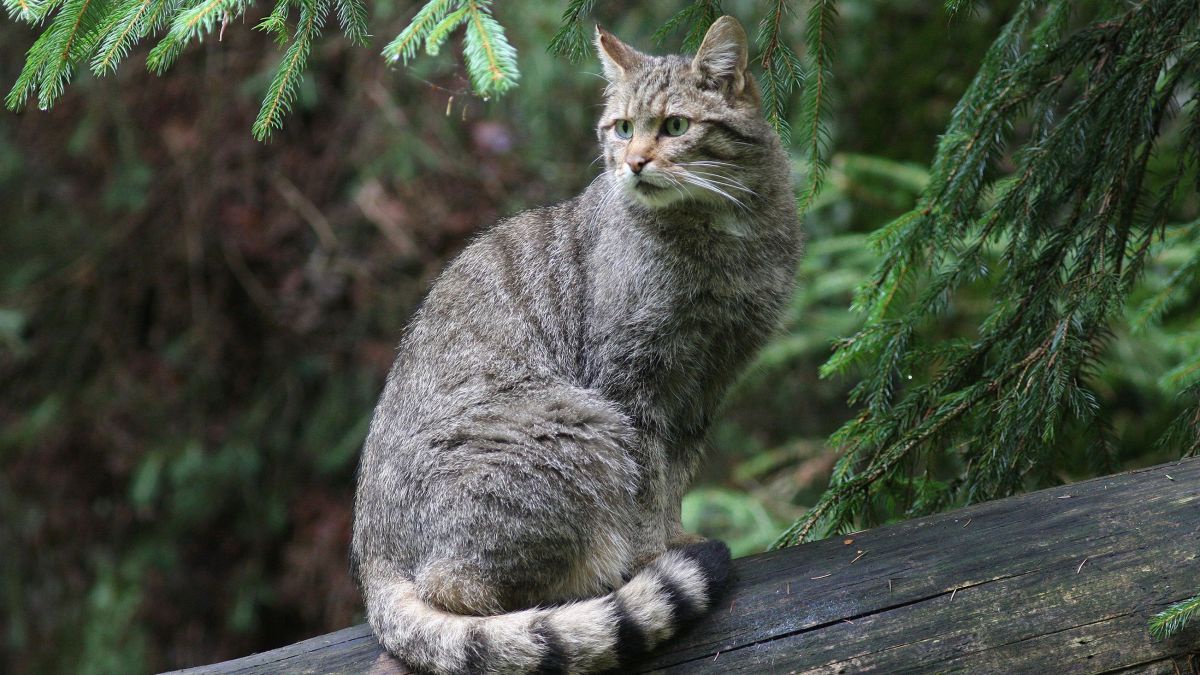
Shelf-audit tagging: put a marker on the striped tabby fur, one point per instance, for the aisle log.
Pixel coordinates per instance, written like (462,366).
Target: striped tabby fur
(519,491)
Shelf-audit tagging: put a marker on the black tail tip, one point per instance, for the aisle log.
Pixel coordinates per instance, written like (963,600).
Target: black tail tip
(713,557)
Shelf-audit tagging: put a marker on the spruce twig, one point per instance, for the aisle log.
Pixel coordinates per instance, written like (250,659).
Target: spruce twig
(1174,619)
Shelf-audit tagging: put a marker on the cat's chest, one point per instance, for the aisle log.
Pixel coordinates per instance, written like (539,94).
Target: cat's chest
(647,293)
(649,284)
(670,329)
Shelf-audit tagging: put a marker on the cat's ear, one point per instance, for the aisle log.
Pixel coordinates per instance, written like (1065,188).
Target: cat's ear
(617,57)
(723,55)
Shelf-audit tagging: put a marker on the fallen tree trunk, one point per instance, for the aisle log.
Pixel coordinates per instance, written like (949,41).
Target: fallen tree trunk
(1065,578)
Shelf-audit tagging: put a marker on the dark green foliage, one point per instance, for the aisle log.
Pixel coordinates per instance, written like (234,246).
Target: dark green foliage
(815,105)
(104,31)
(282,89)
(491,61)
(1097,126)
(574,39)
(696,18)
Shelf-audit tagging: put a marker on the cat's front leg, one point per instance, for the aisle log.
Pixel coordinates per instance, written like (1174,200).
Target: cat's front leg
(681,538)
(676,536)
(680,474)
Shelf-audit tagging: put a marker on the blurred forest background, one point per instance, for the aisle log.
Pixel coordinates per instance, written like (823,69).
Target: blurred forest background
(194,326)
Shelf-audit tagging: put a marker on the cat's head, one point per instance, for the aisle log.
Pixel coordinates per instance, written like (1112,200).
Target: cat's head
(683,128)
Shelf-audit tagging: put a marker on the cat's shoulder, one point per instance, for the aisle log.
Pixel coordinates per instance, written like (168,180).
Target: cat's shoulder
(521,235)
(540,223)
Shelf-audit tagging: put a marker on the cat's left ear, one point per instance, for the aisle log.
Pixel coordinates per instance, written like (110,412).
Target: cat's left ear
(723,55)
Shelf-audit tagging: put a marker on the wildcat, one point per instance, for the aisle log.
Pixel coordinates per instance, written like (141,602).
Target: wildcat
(519,491)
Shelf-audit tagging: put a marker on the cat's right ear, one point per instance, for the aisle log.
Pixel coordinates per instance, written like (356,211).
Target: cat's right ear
(617,57)
(723,56)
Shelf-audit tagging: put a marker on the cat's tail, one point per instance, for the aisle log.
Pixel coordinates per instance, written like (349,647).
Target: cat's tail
(581,637)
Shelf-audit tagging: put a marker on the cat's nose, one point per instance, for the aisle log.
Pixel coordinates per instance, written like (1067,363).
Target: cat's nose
(636,162)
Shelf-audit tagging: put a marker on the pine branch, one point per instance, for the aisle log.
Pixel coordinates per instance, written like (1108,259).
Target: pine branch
(1182,278)
(19,9)
(572,40)
(201,19)
(275,24)
(782,70)
(352,19)
(189,19)
(1052,241)
(27,80)
(160,16)
(816,96)
(30,11)
(439,33)
(1174,619)
(121,36)
(404,46)
(51,60)
(697,17)
(105,31)
(282,90)
(491,60)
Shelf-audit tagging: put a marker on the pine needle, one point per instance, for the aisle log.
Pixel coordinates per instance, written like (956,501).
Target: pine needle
(352,19)
(404,46)
(120,37)
(815,106)
(572,40)
(282,90)
(491,60)
(1174,619)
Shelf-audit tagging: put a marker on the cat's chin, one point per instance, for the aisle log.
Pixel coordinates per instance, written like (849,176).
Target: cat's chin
(652,196)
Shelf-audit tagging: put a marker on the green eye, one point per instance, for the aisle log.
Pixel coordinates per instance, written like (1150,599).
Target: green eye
(675,126)
(623,129)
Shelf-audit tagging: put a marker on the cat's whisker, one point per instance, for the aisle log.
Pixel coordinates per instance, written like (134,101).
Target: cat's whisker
(713,164)
(742,194)
(706,184)
(708,162)
(725,181)
(712,173)
(721,190)
(677,184)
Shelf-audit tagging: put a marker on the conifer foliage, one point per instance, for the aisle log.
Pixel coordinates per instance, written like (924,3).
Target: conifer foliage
(1067,167)
(491,61)
(102,32)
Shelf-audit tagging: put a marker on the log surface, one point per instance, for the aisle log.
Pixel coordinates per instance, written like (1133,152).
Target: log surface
(1065,578)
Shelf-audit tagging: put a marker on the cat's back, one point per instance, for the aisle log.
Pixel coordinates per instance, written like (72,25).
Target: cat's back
(505,313)
(517,279)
